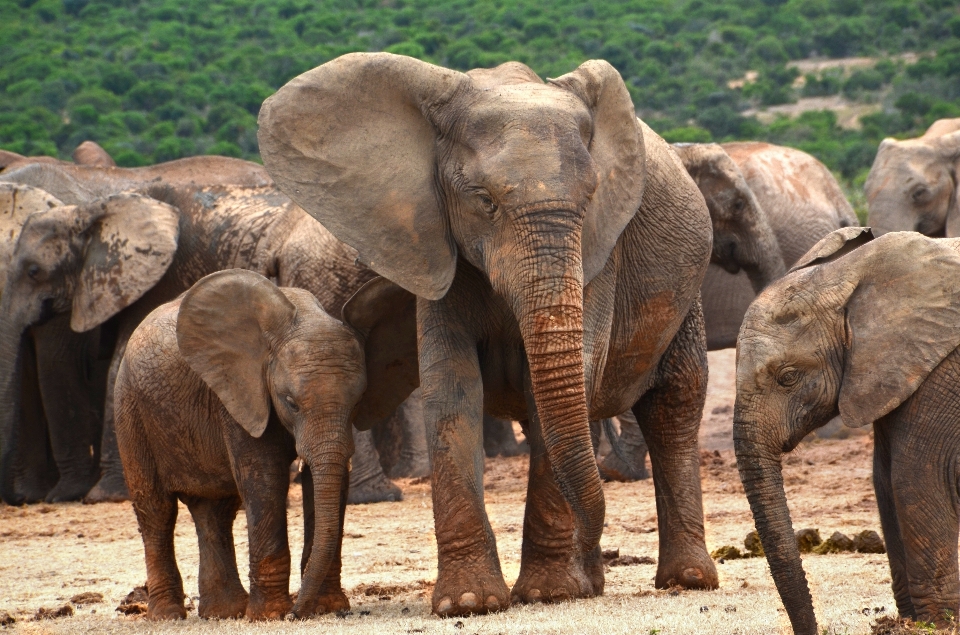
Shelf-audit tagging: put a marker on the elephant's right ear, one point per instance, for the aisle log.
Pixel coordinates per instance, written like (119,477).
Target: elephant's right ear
(836,244)
(385,316)
(225,329)
(132,240)
(901,320)
(352,143)
(17,202)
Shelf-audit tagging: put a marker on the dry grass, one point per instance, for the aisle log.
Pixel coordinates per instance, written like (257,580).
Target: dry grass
(49,554)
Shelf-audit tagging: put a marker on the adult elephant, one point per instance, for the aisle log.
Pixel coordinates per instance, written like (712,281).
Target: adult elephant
(87,153)
(913,185)
(119,257)
(556,246)
(868,329)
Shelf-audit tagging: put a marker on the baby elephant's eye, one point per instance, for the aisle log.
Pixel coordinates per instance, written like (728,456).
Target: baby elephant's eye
(33,271)
(788,376)
(291,403)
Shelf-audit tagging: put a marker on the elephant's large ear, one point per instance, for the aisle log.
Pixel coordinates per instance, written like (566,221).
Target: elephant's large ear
(132,240)
(618,153)
(385,315)
(225,328)
(353,144)
(17,202)
(836,244)
(901,321)
(949,147)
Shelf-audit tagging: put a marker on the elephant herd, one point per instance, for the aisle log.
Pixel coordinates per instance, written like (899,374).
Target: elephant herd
(491,248)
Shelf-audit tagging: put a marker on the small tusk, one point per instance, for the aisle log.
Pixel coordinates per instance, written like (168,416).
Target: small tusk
(299,465)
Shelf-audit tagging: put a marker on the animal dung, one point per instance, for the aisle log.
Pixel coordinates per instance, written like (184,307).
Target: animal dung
(868,541)
(612,558)
(136,601)
(808,539)
(87,597)
(753,545)
(727,552)
(51,614)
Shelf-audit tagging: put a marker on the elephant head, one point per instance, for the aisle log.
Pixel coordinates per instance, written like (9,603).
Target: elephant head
(263,349)
(913,184)
(419,167)
(17,202)
(90,261)
(742,235)
(852,330)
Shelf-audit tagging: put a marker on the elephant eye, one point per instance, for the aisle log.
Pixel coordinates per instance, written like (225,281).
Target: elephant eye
(33,271)
(788,376)
(291,403)
(486,203)
(919,194)
(738,205)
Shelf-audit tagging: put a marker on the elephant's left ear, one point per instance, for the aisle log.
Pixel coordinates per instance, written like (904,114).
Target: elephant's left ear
(900,322)
(617,150)
(385,316)
(836,244)
(131,241)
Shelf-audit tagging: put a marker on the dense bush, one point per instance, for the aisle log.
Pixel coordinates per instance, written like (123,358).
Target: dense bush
(153,81)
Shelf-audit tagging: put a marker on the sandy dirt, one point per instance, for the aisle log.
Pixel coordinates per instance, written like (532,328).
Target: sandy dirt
(51,553)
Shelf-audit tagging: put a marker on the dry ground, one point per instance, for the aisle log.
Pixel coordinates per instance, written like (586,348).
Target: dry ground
(48,554)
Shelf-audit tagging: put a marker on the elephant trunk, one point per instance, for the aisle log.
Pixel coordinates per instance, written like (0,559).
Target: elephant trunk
(760,471)
(328,461)
(12,342)
(546,292)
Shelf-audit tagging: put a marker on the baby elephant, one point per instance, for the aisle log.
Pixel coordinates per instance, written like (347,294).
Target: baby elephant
(218,392)
(868,329)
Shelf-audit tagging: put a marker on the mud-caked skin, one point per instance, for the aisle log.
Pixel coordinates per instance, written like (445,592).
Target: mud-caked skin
(217,393)
(868,329)
(768,205)
(117,258)
(556,245)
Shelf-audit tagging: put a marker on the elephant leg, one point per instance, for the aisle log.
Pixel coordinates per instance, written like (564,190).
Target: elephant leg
(332,598)
(550,569)
(499,439)
(73,404)
(368,483)
(669,416)
(36,469)
(889,522)
(925,494)
(415,456)
(111,487)
(222,596)
(469,578)
(633,447)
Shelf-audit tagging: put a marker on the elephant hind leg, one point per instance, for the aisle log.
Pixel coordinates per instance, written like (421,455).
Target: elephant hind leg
(669,415)
(222,596)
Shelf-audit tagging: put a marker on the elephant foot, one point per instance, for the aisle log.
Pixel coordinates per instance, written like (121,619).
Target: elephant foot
(110,489)
(273,607)
(223,606)
(333,602)
(28,495)
(558,577)
(69,490)
(469,590)
(378,490)
(612,468)
(690,568)
(160,609)
(411,468)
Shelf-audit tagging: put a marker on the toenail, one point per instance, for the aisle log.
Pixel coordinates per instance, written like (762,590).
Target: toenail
(444,606)
(469,600)
(493,603)
(534,595)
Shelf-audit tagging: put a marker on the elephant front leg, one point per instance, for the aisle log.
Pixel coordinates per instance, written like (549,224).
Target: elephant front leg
(368,483)
(889,522)
(112,487)
(469,579)
(669,415)
(552,568)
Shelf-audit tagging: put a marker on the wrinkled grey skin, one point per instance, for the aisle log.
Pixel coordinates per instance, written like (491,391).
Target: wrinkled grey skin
(867,329)
(913,185)
(801,202)
(254,228)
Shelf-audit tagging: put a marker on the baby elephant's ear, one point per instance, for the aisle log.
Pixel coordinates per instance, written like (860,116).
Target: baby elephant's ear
(225,328)
(385,315)
(901,321)
(836,244)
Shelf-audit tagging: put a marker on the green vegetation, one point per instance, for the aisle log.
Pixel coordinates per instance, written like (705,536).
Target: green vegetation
(153,81)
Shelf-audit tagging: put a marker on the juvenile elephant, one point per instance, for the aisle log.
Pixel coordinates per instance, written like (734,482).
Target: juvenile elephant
(752,188)
(913,185)
(556,246)
(218,391)
(120,257)
(868,329)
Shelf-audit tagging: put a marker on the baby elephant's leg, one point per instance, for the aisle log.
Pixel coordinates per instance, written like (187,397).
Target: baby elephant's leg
(221,594)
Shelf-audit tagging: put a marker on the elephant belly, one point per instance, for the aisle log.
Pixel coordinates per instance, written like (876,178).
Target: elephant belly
(726,297)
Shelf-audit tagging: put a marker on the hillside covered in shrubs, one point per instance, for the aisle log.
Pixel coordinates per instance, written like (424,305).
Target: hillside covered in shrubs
(153,81)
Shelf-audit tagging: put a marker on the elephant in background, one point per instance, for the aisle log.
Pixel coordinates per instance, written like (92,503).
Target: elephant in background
(116,259)
(868,329)
(87,153)
(556,246)
(218,391)
(913,185)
